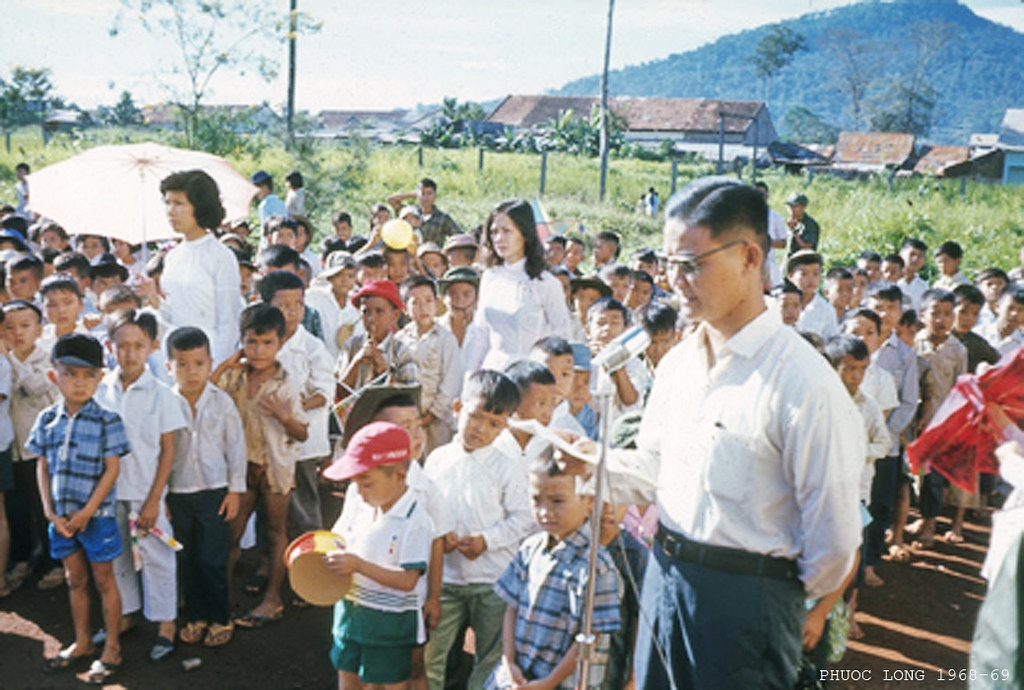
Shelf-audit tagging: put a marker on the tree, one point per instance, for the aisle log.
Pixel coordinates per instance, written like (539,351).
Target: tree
(35,88)
(125,113)
(211,36)
(854,62)
(908,102)
(12,104)
(773,52)
(806,127)
(454,127)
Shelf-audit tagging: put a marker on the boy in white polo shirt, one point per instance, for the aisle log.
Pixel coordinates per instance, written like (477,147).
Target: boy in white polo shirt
(386,548)
(151,415)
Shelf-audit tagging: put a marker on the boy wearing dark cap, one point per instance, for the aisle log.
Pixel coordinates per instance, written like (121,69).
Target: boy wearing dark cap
(386,546)
(376,353)
(81,445)
(804,231)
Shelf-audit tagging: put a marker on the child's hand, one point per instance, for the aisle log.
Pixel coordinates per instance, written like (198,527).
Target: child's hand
(450,542)
(471,547)
(272,404)
(814,625)
(432,612)
(312,402)
(60,524)
(148,515)
(236,359)
(372,355)
(91,321)
(343,563)
(76,523)
(229,507)
(514,672)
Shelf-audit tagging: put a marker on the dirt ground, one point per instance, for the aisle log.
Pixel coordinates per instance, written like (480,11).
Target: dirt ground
(917,628)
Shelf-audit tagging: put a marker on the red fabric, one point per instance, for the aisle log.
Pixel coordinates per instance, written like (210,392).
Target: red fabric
(960,440)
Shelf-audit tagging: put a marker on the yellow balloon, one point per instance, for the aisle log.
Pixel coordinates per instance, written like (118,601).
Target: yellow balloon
(397,234)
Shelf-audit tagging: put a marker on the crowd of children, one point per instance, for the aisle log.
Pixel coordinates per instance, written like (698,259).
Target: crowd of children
(139,455)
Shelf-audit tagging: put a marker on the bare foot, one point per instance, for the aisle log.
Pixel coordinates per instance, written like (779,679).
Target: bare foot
(871,578)
(855,632)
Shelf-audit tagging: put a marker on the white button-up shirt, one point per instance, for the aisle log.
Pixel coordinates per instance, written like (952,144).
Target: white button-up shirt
(210,452)
(149,410)
(437,357)
(203,289)
(515,311)
(760,451)
(819,317)
(485,492)
(311,367)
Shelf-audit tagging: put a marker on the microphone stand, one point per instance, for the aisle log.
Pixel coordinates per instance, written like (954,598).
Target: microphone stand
(603,392)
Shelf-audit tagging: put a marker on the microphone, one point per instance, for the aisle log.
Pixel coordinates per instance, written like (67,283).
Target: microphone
(619,351)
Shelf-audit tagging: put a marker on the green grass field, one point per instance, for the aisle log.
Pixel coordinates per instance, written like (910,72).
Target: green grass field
(987,219)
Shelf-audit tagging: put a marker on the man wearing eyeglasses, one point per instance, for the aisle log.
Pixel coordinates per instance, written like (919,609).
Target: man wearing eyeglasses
(755,447)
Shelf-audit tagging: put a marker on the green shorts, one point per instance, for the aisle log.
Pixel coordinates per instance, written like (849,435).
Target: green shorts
(383,665)
(376,645)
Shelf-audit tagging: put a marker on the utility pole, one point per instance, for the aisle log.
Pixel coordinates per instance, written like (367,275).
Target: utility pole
(293,30)
(604,101)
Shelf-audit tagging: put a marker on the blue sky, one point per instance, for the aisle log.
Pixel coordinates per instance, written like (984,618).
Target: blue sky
(397,53)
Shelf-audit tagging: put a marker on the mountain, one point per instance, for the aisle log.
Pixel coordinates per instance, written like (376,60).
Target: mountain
(904,51)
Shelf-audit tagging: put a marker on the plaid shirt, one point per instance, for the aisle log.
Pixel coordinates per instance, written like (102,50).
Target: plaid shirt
(547,585)
(75,449)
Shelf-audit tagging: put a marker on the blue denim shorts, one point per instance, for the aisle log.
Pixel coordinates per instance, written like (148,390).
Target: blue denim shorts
(101,540)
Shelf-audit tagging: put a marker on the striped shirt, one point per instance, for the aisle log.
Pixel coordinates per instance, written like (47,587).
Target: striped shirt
(399,538)
(547,585)
(75,448)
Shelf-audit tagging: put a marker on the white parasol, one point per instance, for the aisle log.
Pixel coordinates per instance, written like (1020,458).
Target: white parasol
(114,191)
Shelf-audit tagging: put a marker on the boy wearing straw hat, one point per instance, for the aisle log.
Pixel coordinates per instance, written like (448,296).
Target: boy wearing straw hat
(387,537)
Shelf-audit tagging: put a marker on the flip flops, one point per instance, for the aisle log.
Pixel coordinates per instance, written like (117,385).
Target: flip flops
(193,632)
(161,649)
(219,635)
(253,620)
(100,672)
(952,537)
(899,553)
(66,659)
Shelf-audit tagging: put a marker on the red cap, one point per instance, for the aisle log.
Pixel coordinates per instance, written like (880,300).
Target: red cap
(376,444)
(379,288)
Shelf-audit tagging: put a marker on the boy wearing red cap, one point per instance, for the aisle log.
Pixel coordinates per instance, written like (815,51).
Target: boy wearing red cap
(387,537)
(376,353)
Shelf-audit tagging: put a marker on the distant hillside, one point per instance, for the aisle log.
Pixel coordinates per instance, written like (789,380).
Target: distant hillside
(974,67)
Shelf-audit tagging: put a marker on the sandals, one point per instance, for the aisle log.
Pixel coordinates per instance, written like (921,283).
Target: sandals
(952,537)
(162,648)
(899,553)
(100,672)
(194,632)
(219,635)
(66,659)
(253,620)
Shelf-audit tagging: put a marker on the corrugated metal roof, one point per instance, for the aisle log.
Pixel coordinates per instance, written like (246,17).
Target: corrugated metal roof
(937,158)
(340,119)
(873,149)
(641,114)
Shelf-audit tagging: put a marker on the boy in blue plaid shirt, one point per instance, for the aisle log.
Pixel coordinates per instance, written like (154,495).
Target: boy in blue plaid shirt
(545,589)
(81,445)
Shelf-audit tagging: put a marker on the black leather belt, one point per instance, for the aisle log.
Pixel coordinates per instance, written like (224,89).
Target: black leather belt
(723,558)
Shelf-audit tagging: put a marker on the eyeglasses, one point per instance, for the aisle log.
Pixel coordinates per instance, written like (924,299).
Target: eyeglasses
(690,265)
